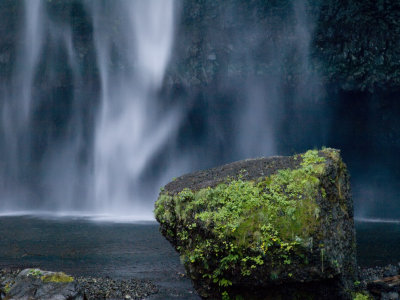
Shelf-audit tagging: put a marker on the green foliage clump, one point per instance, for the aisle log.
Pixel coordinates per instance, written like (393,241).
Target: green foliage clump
(248,223)
(57,277)
(7,288)
(34,272)
(361,296)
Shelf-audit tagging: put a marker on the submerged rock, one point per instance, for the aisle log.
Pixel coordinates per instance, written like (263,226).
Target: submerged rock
(38,284)
(266,228)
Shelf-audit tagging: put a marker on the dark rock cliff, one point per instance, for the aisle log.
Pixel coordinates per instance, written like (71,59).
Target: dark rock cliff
(355,44)
(358,43)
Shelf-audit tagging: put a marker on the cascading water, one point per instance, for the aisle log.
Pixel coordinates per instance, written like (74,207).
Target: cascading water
(43,116)
(17,106)
(129,130)
(93,121)
(80,120)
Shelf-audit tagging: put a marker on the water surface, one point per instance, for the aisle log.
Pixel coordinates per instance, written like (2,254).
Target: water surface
(123,250)
(93,248)
(378,242)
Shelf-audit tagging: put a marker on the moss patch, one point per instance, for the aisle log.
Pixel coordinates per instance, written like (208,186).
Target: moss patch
(241,225)
(57,277)
(7,288)
(34,273)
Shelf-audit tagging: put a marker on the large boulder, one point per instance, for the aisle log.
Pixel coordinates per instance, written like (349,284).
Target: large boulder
(265,228)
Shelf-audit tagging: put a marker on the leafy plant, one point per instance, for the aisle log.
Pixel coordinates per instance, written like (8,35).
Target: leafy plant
(34,272)
(248,222)
(361,296)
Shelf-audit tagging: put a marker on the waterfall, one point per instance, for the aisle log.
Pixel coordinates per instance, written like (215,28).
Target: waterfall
(128,129)
(89,122)
(80,117)
(17,107)
(29,54)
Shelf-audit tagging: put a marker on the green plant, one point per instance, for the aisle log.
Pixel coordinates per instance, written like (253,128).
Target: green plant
(34,272)
(361,296)
(225,296)
(335,263)
(7,287)
(248,222)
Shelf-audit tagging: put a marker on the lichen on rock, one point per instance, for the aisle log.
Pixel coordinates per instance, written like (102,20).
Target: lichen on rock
(246,226)
(57,277)
(39,284)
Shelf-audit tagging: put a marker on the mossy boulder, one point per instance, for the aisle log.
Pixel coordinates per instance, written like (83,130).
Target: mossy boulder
(265,228)
(38,284)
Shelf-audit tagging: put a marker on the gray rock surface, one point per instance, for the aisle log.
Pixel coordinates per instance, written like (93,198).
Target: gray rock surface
(32,284)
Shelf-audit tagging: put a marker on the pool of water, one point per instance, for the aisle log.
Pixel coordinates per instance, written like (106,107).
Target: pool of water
(122,250)
(84,247)
(378,242)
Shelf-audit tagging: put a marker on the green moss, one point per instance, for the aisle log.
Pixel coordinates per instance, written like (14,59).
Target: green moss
(51,277)
(361,296)
(35,272)
(7,288)
(249,223)
(332,154)
(57,277)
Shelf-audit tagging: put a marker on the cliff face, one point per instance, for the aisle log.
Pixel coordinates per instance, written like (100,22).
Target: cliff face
(353,44)
(358,43)
(10,14)
(233,40)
